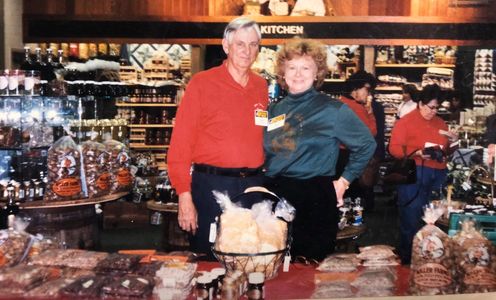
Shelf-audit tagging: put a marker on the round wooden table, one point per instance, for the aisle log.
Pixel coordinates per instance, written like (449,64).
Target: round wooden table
(345,238)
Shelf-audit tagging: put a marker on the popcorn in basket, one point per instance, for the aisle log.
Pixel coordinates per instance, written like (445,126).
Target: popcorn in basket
(253,236)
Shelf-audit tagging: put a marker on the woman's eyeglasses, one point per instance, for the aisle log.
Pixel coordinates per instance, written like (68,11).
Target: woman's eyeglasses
(433,107)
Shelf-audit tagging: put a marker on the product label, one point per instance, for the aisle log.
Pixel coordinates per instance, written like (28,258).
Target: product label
(4,82)
(66,165)
(103,182)
(13,82)
(480,276)
(67,187)
(28,83)
(432,275)
(124,177)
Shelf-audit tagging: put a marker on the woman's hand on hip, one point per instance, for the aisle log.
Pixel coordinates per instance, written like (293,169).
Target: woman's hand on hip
(340,186)
(187,215)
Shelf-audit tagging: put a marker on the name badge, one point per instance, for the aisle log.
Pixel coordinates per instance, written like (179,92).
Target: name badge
(276,122)
(261,117)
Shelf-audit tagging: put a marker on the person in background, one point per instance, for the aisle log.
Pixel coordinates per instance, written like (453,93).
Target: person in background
(455,107)
(425,135)
(409,103)
(359,99)
(216,134)
(302,148)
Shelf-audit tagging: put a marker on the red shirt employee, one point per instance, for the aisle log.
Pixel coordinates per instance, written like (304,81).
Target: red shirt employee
(216,134)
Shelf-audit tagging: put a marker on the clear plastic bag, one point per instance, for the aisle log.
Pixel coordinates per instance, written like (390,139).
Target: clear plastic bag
(96,167)
(14,247)
(475,260)
(341,262)
(432,264)
(122,179)
(64,171)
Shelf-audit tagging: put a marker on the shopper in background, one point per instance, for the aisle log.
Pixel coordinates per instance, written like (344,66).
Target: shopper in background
(409,103)
(216,134)
(456,106)
(359,98)
(425,135)
(301,149)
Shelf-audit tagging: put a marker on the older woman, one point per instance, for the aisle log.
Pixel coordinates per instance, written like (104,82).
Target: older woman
(302,145)
(426,136)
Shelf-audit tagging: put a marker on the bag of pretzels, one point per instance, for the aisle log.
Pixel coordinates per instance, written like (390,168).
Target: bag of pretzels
(96,168)
(475,260)
(64,171)
(119,162)
(432,259)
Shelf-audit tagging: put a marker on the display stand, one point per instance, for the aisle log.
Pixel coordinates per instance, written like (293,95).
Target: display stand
(173,237)
(72,224)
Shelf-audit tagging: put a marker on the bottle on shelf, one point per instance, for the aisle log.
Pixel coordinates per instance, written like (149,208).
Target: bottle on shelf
(11,209)
(27,64)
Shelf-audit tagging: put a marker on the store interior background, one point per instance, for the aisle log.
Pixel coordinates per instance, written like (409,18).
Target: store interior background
(129,222)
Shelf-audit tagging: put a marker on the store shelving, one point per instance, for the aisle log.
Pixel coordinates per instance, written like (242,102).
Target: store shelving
(150,125)
(125,104)
(414,65)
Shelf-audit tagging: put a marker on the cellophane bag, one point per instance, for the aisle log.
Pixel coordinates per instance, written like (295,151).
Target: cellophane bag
(475,260)
(122,179)
(14,247)
(64,171)
(96,168)
(432,266)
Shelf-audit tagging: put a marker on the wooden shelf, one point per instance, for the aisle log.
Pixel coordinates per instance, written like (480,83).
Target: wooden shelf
(413,66)
(69,203)
(146,104)
(334,80)
(389,88)
(140,146)
(150,125)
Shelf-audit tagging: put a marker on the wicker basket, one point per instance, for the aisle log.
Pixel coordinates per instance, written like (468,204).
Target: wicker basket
(266,262)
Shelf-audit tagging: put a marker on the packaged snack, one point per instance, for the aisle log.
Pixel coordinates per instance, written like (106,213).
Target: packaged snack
(50,288)
(21,278)
(14,247)
(64,171)
(129,286)
(122,179)
(432,260)
(120,263)
(96,168)
(341,262)
(87,287)
(475,260)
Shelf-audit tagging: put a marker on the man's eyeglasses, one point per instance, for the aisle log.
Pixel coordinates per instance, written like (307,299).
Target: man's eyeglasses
(433,107)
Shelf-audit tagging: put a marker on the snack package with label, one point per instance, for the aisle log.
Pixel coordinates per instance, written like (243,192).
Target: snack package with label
(40,244)
(432,260)
(50,288)
(64,171)
(119,161)
(129,286)
(21,278)
(475,260)
(87,287)
(71,258)
(14,247)
(96,167)
(118,263)
(339,262)
(176,275)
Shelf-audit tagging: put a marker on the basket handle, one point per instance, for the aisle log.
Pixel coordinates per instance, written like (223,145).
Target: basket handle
(259,189)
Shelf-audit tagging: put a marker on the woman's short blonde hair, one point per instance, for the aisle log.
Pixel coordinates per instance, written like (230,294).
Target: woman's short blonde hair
(297,47)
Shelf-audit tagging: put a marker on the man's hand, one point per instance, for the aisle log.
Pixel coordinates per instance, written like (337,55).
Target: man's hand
(187,215)
(340,185)
(490,153)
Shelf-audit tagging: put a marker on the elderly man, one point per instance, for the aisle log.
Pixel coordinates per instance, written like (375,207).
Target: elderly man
(218,134)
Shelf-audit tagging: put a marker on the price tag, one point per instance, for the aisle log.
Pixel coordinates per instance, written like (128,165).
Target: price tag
(213,233)
(287,260)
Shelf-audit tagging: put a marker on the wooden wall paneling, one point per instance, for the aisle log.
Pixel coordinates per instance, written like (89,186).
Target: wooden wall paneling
(360,7)
(44,7)
(378,8)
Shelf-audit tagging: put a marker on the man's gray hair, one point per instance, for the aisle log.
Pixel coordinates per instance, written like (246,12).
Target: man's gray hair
(238,23)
